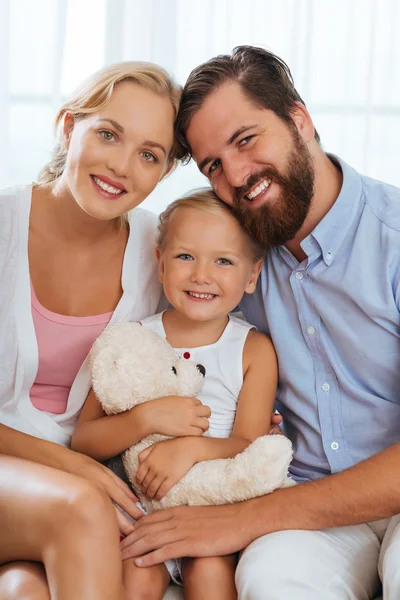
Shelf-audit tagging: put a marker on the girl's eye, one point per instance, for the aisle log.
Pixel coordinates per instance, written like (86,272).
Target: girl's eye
(214,166)
(148,156)
(224,261)
(107,135)
(185,257)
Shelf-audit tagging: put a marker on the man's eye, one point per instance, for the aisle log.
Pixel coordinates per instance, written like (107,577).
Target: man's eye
(214,165)
(246,140)
(224,261)
(185,257)
(107,135)
(148,156)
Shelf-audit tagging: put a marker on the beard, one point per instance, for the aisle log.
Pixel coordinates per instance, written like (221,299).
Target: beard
(276,224)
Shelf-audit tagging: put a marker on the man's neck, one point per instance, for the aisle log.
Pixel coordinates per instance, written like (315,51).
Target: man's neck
(327,185)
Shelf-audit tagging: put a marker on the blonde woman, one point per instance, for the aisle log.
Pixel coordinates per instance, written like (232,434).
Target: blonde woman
(75,255)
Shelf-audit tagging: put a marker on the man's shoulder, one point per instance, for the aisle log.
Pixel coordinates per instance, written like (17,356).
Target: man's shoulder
(383,201)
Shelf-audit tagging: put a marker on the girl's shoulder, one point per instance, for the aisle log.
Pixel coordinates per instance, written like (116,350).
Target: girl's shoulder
(258,349)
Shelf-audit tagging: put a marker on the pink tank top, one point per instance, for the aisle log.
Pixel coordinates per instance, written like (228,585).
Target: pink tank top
(63,344)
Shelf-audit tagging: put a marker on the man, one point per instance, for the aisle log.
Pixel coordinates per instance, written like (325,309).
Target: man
(329,296)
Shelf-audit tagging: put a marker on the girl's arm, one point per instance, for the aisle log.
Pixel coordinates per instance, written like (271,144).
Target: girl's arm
(102,437)
(164,464)
(255,402)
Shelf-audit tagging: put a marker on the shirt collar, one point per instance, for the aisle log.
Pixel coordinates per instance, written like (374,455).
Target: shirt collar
(334,227)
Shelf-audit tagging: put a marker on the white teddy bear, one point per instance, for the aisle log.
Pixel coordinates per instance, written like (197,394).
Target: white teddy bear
(130,365)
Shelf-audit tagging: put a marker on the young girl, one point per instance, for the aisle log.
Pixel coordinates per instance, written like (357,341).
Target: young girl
(207,261)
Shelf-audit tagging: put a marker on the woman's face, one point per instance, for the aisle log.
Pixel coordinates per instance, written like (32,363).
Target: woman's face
(116,156)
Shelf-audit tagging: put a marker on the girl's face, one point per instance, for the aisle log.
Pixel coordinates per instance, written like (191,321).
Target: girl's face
(207,264)
(116,156)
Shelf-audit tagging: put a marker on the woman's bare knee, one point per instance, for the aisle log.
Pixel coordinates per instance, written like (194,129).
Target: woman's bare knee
(23,581)
(148,583)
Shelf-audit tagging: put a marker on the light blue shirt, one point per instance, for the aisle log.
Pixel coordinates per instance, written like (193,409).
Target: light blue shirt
(335,323)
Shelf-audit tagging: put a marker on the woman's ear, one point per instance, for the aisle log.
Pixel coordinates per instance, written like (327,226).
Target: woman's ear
(68,126)
(252,283)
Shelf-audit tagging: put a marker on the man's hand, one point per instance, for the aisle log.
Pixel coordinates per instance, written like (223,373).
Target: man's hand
(276,421)
(190,531)
(163,464)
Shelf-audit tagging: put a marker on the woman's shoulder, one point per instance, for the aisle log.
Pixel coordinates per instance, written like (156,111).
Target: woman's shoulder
(14,207)
(11,196)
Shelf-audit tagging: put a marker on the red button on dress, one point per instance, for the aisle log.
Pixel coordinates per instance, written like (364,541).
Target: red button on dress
(186,355)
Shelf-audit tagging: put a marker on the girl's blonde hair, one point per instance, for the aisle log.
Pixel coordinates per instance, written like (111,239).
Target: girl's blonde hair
(207,200)
(95,93)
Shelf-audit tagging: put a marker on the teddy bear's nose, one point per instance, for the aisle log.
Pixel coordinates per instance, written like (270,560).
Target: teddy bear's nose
(202,370)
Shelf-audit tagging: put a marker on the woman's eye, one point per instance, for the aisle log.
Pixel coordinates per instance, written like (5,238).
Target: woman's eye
(185,257)
(148,156)
(107,135)
(224,261)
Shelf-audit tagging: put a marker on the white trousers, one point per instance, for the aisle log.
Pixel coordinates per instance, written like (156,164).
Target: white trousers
(345,563)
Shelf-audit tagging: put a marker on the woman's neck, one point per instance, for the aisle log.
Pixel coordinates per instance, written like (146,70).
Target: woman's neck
(183,332)
(56,210)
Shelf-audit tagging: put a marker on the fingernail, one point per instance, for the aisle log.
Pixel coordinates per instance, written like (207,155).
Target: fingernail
(138,562)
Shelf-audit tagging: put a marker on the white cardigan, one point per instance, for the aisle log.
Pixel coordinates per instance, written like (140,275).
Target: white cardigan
(18,347)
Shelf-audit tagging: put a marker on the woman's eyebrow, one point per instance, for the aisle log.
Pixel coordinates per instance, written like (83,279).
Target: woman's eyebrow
(117,126)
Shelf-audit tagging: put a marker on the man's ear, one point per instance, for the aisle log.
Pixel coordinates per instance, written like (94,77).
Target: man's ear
(160,261)
(68,126)
(303,122)
(252,283)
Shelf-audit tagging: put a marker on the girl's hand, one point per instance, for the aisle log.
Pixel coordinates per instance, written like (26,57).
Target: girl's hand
(162,465)
(105,479)
(175,416)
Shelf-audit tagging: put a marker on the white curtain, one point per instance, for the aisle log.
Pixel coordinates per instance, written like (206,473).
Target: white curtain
(344,55)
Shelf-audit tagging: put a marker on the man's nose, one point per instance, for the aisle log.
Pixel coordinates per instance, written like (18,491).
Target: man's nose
(236,170)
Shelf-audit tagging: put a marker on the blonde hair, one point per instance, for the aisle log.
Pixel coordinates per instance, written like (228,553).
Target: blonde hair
(95,93)
(207,200)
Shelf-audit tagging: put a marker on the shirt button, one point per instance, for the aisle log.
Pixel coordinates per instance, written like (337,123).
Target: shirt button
(299,275)
(335,446)
(326,387)
(311,330)
(329,256)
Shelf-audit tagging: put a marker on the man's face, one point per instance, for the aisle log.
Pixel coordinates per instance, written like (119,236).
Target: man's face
(255,161)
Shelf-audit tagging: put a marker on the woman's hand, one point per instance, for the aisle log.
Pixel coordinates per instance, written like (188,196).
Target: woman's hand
(174,416)
(105,479)
(163,464)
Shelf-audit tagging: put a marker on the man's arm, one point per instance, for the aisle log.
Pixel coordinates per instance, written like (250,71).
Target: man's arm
(365,492)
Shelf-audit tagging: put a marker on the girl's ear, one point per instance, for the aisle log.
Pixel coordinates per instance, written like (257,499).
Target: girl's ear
(252,283)
(68,126)
(160,261)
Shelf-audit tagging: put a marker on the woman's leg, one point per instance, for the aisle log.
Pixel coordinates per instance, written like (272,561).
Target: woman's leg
(60,520)
(210,578)
(147,583)
(23,580)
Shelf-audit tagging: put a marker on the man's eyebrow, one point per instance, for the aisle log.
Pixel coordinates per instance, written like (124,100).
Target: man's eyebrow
(230,141)
(117,126)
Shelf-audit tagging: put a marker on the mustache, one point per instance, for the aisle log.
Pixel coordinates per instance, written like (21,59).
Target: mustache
(267,173)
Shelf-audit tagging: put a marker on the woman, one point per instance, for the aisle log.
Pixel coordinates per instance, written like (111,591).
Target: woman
(74,257)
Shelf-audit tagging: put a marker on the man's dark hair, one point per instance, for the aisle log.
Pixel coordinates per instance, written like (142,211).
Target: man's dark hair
(264,78)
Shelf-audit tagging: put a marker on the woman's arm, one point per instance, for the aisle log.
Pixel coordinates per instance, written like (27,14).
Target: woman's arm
(103,437)
(20,445)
